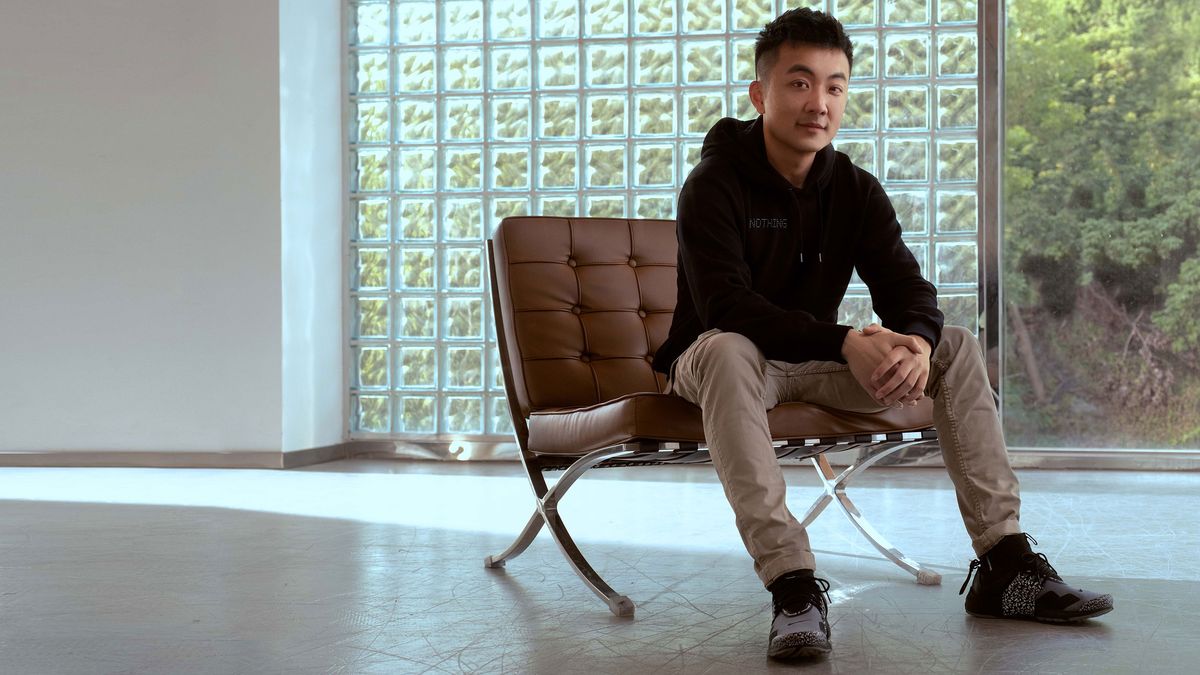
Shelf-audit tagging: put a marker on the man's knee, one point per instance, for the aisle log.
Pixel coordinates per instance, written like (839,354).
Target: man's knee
(956,338)
(730,351)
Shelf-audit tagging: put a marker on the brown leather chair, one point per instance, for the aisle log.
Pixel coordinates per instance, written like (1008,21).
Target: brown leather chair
(581,305)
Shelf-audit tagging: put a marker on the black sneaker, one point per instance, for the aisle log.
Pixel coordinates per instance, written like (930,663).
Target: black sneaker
(800,628)
(1015,583)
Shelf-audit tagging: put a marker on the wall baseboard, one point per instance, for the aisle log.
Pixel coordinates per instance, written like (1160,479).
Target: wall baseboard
(217,459)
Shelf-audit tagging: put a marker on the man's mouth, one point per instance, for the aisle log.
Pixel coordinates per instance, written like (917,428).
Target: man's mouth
(813,125)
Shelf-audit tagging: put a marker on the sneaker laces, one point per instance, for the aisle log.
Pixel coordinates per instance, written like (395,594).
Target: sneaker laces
(801,592)
(1034,562)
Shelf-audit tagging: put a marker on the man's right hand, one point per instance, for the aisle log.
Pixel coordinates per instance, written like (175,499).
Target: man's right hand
(865,351)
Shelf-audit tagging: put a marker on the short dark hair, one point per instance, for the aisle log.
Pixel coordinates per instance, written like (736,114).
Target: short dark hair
(800,26)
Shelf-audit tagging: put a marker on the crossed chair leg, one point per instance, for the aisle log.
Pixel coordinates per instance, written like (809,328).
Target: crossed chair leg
(834,488)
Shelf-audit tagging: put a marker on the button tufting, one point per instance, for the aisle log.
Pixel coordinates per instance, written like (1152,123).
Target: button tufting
(571,262)
(642,313)
(585,358)
(632,262)
(576,310)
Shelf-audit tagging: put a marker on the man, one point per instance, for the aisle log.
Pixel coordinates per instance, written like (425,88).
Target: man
(771,224)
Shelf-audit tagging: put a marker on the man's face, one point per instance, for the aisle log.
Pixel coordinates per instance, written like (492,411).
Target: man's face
(802,96)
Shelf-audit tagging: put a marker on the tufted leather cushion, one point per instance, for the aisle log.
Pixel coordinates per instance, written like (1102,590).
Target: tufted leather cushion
(584,303)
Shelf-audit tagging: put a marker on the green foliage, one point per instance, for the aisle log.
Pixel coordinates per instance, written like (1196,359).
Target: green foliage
(1178,318)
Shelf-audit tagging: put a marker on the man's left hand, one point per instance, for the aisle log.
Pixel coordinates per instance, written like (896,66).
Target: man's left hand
(901,377)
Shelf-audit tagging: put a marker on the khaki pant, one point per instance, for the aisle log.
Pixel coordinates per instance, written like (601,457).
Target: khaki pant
(726,375)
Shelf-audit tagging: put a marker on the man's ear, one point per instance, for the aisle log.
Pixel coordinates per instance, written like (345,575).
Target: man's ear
(756,95)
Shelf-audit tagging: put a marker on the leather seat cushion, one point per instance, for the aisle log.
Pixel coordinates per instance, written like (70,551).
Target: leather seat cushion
(670,418)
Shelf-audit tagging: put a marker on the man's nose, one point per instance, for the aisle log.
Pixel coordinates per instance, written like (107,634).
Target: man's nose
(818,103)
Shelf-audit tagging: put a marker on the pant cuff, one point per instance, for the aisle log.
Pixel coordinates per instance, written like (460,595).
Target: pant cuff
(994,534)
(800,560)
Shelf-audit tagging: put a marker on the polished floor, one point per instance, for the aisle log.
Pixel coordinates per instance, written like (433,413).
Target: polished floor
(376,567)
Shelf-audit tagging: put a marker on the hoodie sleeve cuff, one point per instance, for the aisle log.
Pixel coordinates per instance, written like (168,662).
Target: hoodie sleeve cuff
(829,339)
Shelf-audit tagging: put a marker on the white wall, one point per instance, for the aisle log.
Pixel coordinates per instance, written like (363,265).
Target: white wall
(140,226)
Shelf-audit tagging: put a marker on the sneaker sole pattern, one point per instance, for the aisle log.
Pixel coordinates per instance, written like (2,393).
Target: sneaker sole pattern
(799,646)
(1045,619)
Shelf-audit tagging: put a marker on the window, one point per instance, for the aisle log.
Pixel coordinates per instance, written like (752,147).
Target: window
(463,112)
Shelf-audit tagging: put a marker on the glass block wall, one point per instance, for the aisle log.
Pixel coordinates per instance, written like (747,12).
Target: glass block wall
(463,112)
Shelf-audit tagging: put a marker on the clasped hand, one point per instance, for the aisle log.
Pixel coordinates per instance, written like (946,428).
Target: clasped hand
(894,368)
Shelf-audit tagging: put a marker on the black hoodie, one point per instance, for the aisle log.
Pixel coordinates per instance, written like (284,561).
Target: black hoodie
(770,261)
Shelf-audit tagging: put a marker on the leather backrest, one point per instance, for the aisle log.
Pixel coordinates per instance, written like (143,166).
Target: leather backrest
(583,304)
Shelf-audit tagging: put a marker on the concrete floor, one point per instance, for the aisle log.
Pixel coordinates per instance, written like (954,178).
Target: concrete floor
(376,566)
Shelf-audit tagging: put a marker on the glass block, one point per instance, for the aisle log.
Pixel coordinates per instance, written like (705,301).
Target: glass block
(605,166)
(463,119)
(960,310)
(463,69)
(860,110)
(510,119)
(865,52)
(464,269)
(855,12)
(463,318)
(912,210)
(606,206)
(654,63)
(464,414)
(416,268)
(606,115)
(558,18)
(907,55)
(920,251)
(371,414)
(463,168)
(956,160)
(606,65)
(743,61)
(702,110)
(462,20)
(957,107)
(464,367)
(415,23)
(957,211)
(957,262)
(463,219)
(752,14)
(510,68)
(906,159)
(565,207)
(372,367)
(743,106)
(501,416)
(689,157)
(418,367)
(557,167)
(415,120)
(415,168)
(558,67)
(371,318)
(704,62)
(505,207)
(604,17)
(956,54)
(654,165)
(496,369)
(950,11)
(510,168)
(655,114)
(855,310)
(416,218)
(371,219)
(907,108)
(510,19)
(415,71)
(703,16)
(654,16)
(371,123)
(418,317)
(906,12)
(417,414)
(658,205)
(371,74)
(860,150)
(558,117)
(373,174)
